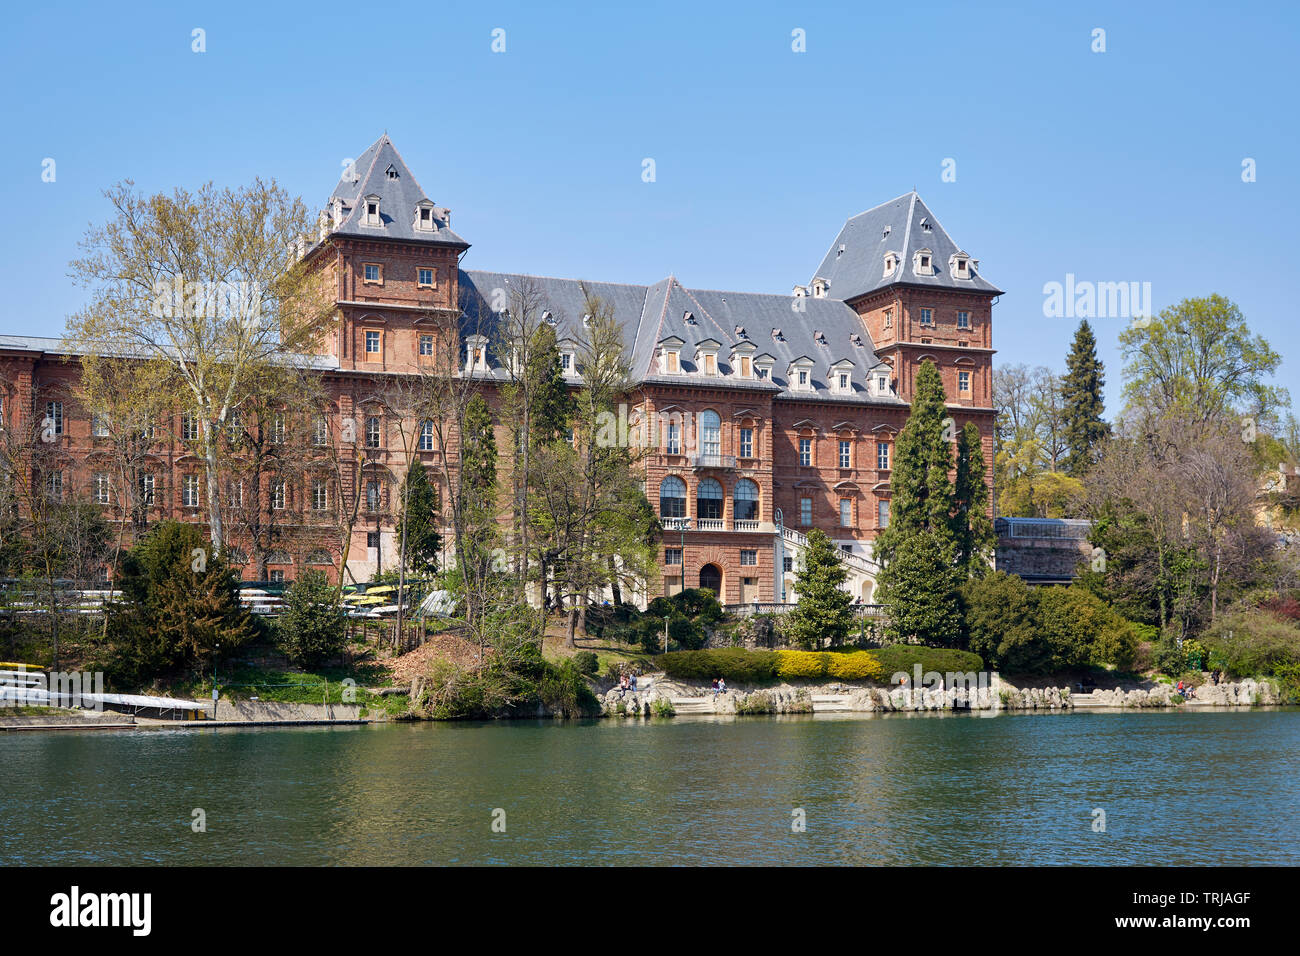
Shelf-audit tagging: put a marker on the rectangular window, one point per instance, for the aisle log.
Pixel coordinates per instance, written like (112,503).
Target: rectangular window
(674,444)
(844,382)
(425,278)
(98,426)
(963,384)
(320,497)
(426,435)
(275,577)
(927,317)
(189,428)
(672,556)
(190,491)
(374,495)
(374,432)
(889,318)
(846,512)
(235,494)
(374,342)
(805,451)
(372,540)
(846,454)
(803,377)
(748,556)
(54,485)
(747,443)
(426,344)
(710,365)
(146,485)
(373,272)
(787,564)
(882,455)
(805,511)
(103,488)
(670,361)
(277,495)
(320,432)
(54,413)
(566,361)
(963,320)
(882,514)
(278,426)
(744,366)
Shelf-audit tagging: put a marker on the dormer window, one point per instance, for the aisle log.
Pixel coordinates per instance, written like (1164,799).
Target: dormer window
(961,266)
(424,218)
(820,287)
(476,353)
(689,318)
(820,337)
(742,359)
(549,317)
(391,172)
(882,384)
(371,212)
(891,264)
(800,374)
(706,356)
(670,355)
(566,362)
(763,365)
(842,377)
(923,263)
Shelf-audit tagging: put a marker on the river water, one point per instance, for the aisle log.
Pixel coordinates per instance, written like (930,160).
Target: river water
(1175,787)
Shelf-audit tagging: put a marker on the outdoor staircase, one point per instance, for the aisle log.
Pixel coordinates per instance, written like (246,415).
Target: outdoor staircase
(824,703)
(693,705)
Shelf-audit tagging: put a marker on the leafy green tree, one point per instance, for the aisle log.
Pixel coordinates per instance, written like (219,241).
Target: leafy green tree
(824,609)
(1082,393)
(972,529)
(423,540)
(1198,360)
(921,587)
(1002,623)
(313,627)
(478,504)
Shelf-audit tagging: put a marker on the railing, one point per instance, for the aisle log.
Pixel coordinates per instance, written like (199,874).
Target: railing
(676,524)
(744,524)
(770,607)
(852,560)
(714,461)
(709,524)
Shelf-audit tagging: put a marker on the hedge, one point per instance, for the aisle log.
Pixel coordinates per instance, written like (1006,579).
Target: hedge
(905,657)
(756,667)
(729,663)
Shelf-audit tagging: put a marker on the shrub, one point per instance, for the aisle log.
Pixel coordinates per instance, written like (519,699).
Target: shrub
(662,707)
(731,663)
(586,663)
(856,665)
(1001,615)
(801,665)
(904,657)
(312,627)
(1254,643)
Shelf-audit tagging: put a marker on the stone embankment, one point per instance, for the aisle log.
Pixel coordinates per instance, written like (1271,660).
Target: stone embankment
(689,698)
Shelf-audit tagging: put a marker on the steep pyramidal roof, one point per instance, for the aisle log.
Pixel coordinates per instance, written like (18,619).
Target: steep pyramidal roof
(855,263)
(380,171)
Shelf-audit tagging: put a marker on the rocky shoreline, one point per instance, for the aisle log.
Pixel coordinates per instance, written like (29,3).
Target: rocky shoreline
(688,697)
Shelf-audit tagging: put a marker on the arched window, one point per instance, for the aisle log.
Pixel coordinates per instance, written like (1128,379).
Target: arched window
(710,434)
(708,500)
(672,498)
(745,501)
(319,556)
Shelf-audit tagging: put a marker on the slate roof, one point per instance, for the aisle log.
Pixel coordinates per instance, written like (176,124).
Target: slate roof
(381,171)
(897,226)
(650,314)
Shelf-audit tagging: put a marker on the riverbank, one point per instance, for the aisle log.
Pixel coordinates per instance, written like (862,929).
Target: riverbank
(657,695)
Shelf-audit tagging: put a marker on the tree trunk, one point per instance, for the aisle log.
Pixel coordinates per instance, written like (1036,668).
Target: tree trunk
(213,489)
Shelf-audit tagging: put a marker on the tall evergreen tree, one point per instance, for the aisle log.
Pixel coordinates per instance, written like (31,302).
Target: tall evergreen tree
(919,578)
(423,540)
(1081,392)
(972,530)
(823,610)
(478,475)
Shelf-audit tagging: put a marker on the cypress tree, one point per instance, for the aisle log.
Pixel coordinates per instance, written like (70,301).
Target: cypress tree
(919,578)
(972,530)
(478,473)
(423,541)
(1081,391)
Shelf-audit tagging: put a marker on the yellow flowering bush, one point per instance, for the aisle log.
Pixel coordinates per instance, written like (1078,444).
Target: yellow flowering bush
(802,665)
(856,665)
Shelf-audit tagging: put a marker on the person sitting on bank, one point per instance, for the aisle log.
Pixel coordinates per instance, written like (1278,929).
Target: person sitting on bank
(722,685)
(715,687)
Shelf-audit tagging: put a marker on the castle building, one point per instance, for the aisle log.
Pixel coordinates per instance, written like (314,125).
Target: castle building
(769,414)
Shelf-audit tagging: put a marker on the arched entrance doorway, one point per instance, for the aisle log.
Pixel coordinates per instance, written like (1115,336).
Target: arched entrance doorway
(711,578)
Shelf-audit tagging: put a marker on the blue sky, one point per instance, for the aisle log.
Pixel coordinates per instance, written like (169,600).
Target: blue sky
(1117,166)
